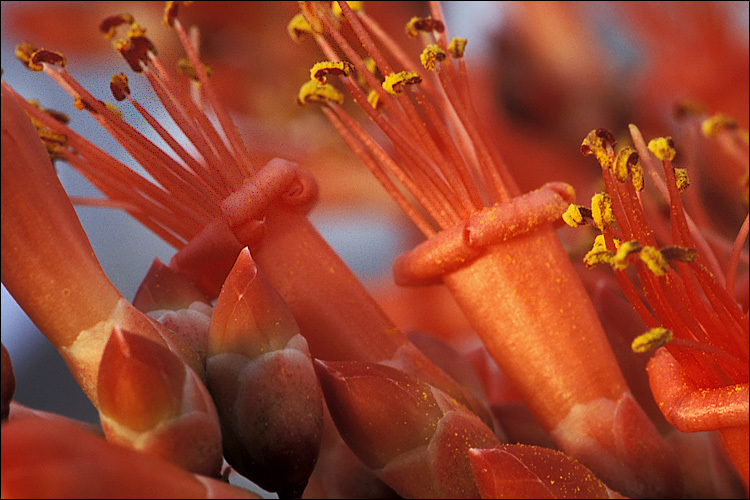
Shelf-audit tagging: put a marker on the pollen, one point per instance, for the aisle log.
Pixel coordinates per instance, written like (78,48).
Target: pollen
(655,337)
(625,250)
(601,211)
(186,68)
(119,86)
(371,67)
(636,175)
(654,260)
(456,47)
(626,158)
(24,52)
(110,24)
(312,91)
(355,6)
(320,71)
(598,256)
(45,56)
(681,178)
(170,12)
(424,24)
(663,148)
(395,82)
(298,27)
(712,126)
(573,216)
(374,99)
(599,143)
(432,54)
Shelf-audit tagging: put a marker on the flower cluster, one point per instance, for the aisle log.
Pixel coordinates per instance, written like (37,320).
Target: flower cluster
(256,352)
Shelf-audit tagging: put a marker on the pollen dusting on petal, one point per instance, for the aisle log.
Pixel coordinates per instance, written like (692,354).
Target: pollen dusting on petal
(395,82)
(320,71)
(374,99)
(186,68)
(654,260)
(682,254)
(601,210)
(110,24)
(652,339)
(457,46)
(430,55)
(626,158)
(119,86)
(712,126)
(681,178)
(598,143)
(625,250)
(355,6)
(24,52)
(312,91)
(663,148)
(425,24)
(170,12)
(46,56)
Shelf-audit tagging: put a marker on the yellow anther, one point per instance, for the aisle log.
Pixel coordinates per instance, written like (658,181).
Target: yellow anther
(311,91)
(654,260)
(298,27)
(573,216)
(625,250)
(371,67)
(136,31)
(627,157)
(57,115)
(655,337)
(135,49)
(170,12)
(663,148)
(79,104)
(599,143)
(23,53)
(187,69)
(601,211)
(456,47)
(636,174)
(598,256)
(112,108)
(712,126)
(395,82)
(374,99)
(110,24)
(320,71)
(682,254)
(315,12)
(425,24)
(44,56)
(681,177)
(430,55)
(119,86)
(355,6)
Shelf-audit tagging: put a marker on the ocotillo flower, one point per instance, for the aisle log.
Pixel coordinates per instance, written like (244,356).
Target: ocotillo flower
(78,308)
(414,436)
(700,379)
(51,459)
(494,248)
(212,202)
(261,376)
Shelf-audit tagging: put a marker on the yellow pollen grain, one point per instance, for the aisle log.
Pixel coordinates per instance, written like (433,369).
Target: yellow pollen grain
(655,337)
(395,82)
(654,260)
(636,174)
(622,165)
(457,46)
(601,211)
(620,259)
(663,148)
(320,71)
(681,178)
(573,217)
(311,92)
(430,55)
(599,142)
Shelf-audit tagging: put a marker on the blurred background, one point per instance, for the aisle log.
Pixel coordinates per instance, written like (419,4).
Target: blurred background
(542,74)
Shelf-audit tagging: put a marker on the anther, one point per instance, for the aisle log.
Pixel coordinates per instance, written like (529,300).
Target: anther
(119,86)
(374,99)
(110,24)
(355,6)
(24,52)
(654,260)
(425,24)
(430,55)
(712,126)
(598,143)
(576,215)
(311,91)
(456,47)
(186,68)
(652,339)
(320,71)
(601,211)
(663,148)
(170,12)
(46,56)
(625,250)
(626,158)
(681,178)
(682,254)
(395,82)
(298,27)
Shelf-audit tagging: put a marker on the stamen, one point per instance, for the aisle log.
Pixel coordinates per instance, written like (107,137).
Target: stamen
(601,211)
(627,157)
(320,71)
(170,12)
(374,99)
(456,47)
(186,68)
(110,24)
(24,51)
(298,27)
(311,91)
(712,126)
(625,250)
(424,24)
(678,253)
(119,86)
(431,55)
(395,82)
(355,6)
(663,148)
(652,339)
(573,216)
(599,142)
(681,179)
(654,260)
(46,56)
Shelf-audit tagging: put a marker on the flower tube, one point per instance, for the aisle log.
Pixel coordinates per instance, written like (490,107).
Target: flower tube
(211,202)
(78,309)
(493,247)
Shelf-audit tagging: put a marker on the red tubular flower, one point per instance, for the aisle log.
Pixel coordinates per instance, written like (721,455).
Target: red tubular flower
(494,248)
